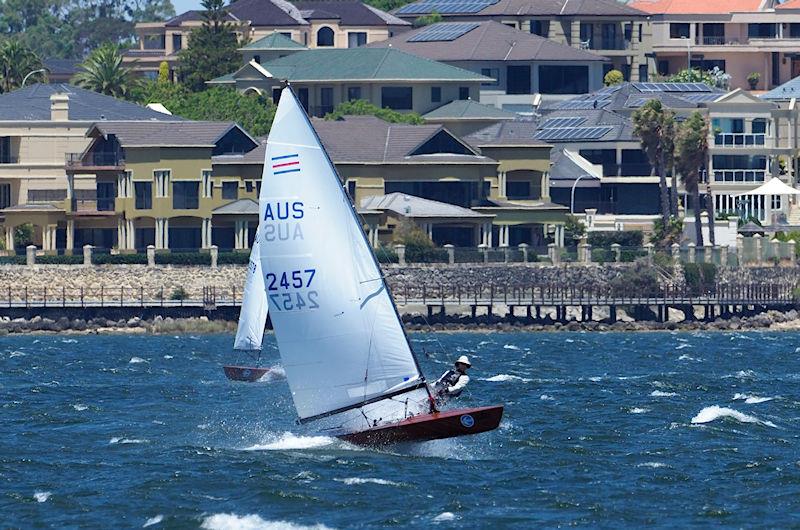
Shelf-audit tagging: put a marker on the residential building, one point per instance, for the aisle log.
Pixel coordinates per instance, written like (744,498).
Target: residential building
(607,27)
(386,77)
(39,125)
(312,23)
(520,64)
(741,37)
(465,116)
(273,46)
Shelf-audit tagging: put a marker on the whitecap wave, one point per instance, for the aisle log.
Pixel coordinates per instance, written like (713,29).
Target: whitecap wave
(42,496)
(355,480)
(136,360)
(168,356)
(445,516)
(500,378)
(545,397)
(682,346)
(69,341)
(275,373)
(654,465)
(79,407)
(685,357)
(153,521)
(638,410)
(511,347)
(660,393)
(17,353)
(751,400)
(715,412)
(122,440)
(289,441)
(231,521)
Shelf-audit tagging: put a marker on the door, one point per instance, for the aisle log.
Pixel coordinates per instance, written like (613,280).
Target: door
(325,100)
(302,95)
(519,79)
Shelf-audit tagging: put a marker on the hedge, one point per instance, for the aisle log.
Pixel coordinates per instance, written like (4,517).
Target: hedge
(119,259)
(182,258)
(624,239)
(59,260)
(232,258)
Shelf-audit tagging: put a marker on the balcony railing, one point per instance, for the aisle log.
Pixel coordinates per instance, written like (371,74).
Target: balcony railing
(714,40)
(99,159)
(606,44)
(740,175)
(739,139)
(101,204)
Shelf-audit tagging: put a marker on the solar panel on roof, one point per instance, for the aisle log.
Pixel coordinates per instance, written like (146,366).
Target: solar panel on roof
(699,98)
(446,7)
(443,31)
(572,133)
(563,122)
(583,104)
(672,87)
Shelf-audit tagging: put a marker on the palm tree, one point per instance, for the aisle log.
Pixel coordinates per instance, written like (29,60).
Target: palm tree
(654,125)
(104,72)
(691,151)
(17,61)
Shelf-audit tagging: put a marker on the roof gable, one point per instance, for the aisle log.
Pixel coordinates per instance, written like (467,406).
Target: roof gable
(739,96)
(467,109)
(220,136)
(274,41)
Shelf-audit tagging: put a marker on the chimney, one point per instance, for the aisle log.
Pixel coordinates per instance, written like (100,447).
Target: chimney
(59,107)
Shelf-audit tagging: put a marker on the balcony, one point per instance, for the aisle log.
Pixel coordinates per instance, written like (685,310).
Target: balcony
(606,44)
(740,175)
(740,139)
(98,160)
(714,40)
(93,205)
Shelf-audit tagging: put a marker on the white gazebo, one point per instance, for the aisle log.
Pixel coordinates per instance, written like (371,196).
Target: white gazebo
(767,200)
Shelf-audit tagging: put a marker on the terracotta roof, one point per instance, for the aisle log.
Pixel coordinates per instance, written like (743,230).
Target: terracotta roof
(790,4)
(550,8)
(693,7)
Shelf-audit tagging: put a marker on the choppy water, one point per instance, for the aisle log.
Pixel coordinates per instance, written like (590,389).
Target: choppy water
(613,430)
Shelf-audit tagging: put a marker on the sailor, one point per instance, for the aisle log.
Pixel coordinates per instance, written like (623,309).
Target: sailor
(453,381)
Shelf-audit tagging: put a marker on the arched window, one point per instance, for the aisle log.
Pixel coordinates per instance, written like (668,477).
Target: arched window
(325,37)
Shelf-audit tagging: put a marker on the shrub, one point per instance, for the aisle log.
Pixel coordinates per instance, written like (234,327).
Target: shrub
(640,280)
(183,258)
(613,77)
(59,260)
(574,229)
(666,236)
(386,255)
(232,258)
(700,277)
(426,255)
(23,235)
(179,294)
(624,239)
(12,260)
(119,259)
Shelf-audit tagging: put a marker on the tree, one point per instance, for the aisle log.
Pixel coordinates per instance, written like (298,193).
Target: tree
(151,10)
(104,72)
(16,62)
(253,112)
(212,51)
(652,124)
(362,107)
(691,151)
(163,72)
(613,77)
(426,20)
(715,77)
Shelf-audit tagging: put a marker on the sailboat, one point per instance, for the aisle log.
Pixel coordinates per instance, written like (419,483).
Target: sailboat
(252,319)
(348,362)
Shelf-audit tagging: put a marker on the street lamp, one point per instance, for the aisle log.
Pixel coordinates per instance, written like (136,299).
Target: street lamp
(572,194)
(24,79)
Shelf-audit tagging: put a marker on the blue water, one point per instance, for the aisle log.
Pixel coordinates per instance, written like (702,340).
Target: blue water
(124,431)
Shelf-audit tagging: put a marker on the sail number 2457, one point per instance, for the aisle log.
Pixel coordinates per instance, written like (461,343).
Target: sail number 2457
(289,291)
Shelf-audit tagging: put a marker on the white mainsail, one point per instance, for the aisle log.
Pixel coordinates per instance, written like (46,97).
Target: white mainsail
(253,314)
(341,341)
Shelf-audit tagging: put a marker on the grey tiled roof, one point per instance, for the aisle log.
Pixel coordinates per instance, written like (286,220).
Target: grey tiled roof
(417,207)
(554,8)
(165,133)
(490,41)
(786,91)
(349,12)
(33,103)
(240,207)
(563,169)
(467,109)
(511,133)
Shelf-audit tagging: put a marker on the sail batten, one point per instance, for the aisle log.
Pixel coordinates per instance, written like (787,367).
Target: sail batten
(331,323)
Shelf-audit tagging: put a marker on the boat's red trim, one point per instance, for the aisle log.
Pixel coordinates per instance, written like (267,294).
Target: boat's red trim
(244,373)
(446,424)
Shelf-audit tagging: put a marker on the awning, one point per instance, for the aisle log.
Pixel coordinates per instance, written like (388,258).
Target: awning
(774,186)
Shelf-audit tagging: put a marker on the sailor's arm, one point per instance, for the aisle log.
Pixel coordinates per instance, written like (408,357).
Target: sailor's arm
(460,384)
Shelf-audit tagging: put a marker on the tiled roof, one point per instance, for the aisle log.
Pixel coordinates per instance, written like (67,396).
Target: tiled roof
(694,7)
(364,64)
(417,207)
(192,16)
(467,109)
(33,103)
(274,41)
(512,133)
(790,4)
(348,12)
(490,41)
(165,133)
(786,91)
(555,8)
(240,207)
(61,66)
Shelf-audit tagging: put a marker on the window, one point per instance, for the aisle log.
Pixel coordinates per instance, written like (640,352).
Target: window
(351,189)
(185,195)
(177,41)
(5,196)
(230,190)
(555,79)
(762,31)
(144,195)
(794,31)
(436,94)
(519,79)
(708,64)
(208,184)
(248,186)
(518,189)
(663,67)
(287,34)
(325,37)
(326,100)
(494,73)
(154,42)
(5,151)
(397,97)
(641,29)
(356,39)
(643,73)
(679,30)
(540,27)
(106,193)
(759,126)
(257,58)
(463,92)
(162,178)
(353,93)
(776,202)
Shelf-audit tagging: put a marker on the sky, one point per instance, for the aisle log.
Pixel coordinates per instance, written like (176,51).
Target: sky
(185,5)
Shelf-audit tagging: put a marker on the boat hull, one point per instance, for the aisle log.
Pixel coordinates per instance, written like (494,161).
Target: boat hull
(446,424)
(244,373)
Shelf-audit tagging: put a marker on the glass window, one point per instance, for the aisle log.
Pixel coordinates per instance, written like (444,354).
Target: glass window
(463,92)
(144,195)
(248,186)
(154,42)
(436,94)
(356,39)
(762,31)
(540,27)
(325,37)
(518,79)
(494,73)
(351,189)
(5,196)
(563,79)
(519,189)
(759,126)
(5,151)
(353,93)
(185,195)
(397,97)
(794,30)
(177,41)
(230,190)
(679,30)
